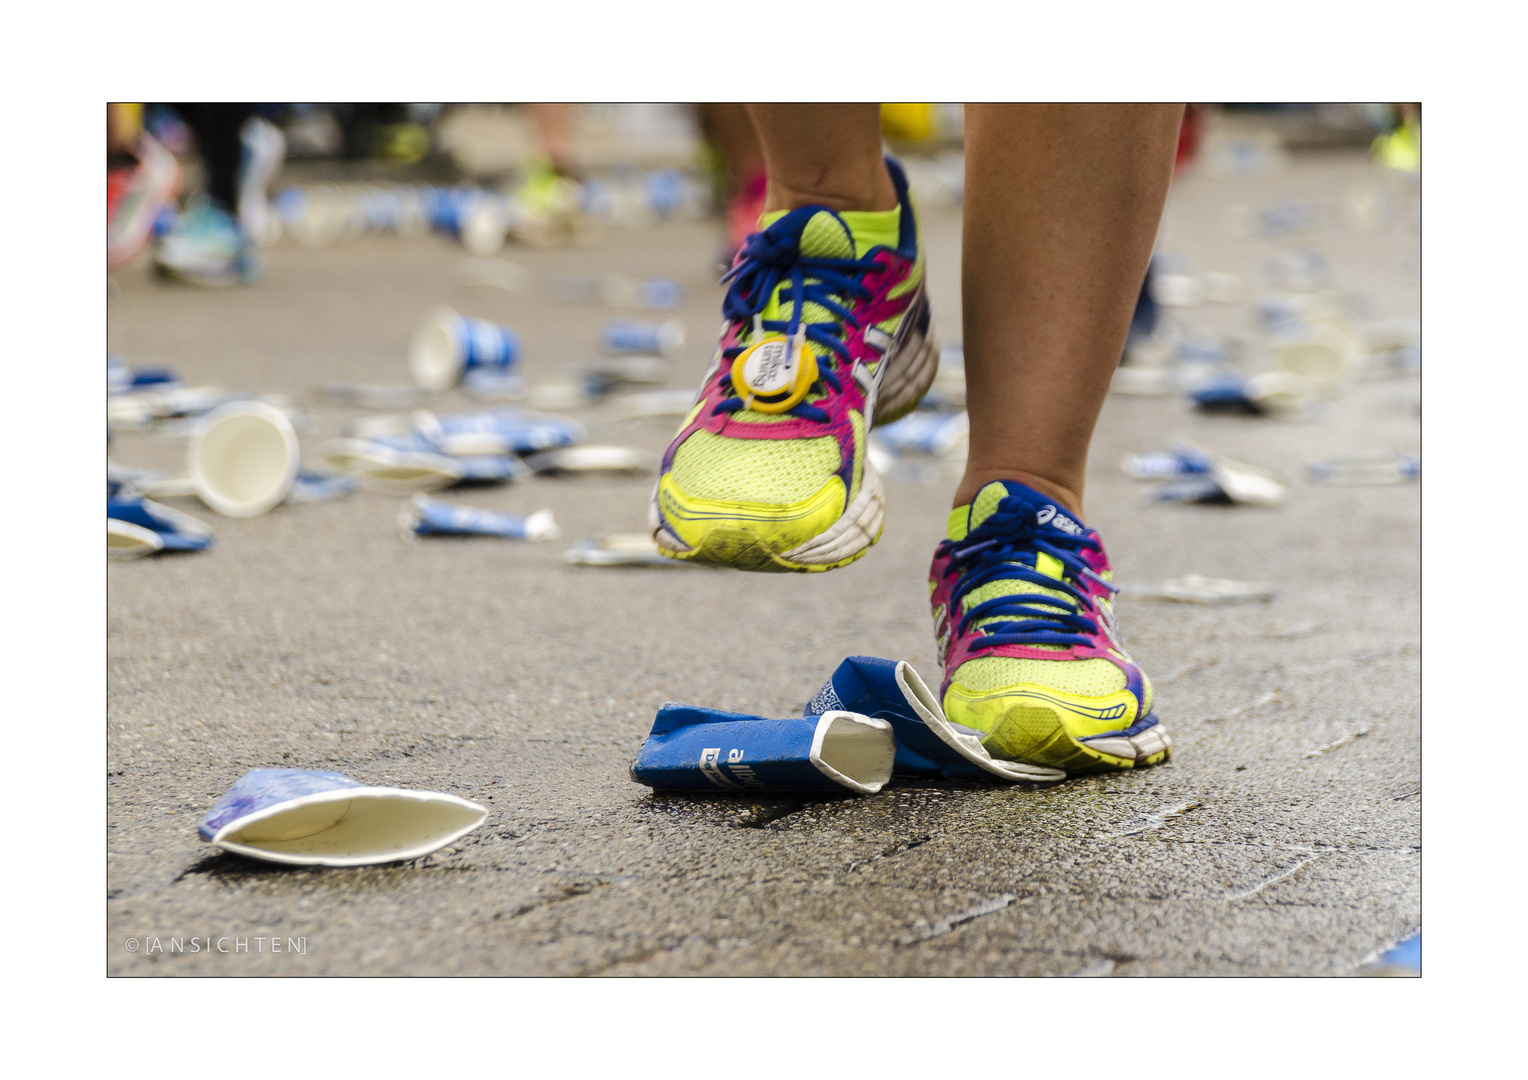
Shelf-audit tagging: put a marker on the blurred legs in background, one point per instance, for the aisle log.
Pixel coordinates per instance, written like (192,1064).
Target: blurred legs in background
(142,179)
(213,241)
(730,129)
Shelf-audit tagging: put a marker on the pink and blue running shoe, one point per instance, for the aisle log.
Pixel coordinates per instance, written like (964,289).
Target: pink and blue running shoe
(1022,596)
(827,333)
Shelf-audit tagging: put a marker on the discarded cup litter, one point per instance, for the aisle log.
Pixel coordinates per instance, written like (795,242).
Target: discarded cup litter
(421,516)
(692,748)
(305,817)
(175,531)
(1366,468)
(446,345)
(1197,589)
(620,549)
(664,338)
(244,458)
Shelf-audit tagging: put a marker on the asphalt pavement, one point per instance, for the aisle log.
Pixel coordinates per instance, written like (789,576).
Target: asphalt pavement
(1283,838)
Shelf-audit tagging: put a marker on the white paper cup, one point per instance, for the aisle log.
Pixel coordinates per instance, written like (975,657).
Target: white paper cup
(244,458)
(445,345)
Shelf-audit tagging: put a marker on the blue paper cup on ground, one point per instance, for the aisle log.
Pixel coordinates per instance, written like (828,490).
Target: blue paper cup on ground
(304,817)
(172,530)
(927,743)
(446,345)
(695,749)
(124,540)
(421,516)
(665,338)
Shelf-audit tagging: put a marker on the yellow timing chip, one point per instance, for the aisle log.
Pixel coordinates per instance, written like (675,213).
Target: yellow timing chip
(771,377)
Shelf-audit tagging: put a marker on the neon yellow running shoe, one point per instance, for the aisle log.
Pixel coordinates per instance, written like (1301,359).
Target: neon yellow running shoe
(1023,613)
(827,333)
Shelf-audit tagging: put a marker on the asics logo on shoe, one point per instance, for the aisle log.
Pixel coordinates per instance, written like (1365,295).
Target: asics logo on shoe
(1059,520)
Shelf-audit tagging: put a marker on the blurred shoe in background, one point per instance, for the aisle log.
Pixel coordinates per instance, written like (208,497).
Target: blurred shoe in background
(205,246)
(135,195)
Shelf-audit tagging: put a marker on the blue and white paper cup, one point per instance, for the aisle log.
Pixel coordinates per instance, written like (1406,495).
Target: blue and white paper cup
(665,338)
(244,458)
(429,517)
(446,345)
(496,431)
(697,749)
(927,743)
(305,817)
(174,530)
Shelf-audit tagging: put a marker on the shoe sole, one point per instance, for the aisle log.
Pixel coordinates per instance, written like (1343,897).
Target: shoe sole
(1034,734)
(848,538)
(910,368)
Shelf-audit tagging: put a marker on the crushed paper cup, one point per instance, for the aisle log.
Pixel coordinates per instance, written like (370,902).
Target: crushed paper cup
(919,432)
(1197,589)
(497,431)
(928,743)
(176,531)
(1181,460)
(1366,468)
(388,471)
(620,549)
(665,338)
(304,817)
(124,540)
(244,458)
(1228,481)
(446,345)
(654,405)
(428,517)
(1317,351)
(697,749)
(489,385)
(312,487)
(126,480)
(585,459)
(368,396)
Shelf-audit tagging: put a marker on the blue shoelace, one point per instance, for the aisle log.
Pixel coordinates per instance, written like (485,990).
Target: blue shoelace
(772,258)
(993,551)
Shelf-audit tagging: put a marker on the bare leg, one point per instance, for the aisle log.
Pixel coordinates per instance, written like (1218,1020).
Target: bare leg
(823,155)
(1062,204)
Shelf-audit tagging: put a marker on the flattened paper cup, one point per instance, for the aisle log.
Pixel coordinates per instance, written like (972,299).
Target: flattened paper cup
(125,540)
(446,345)
(304,817)
(620,549)
(927,743)
(665,338)
(175,531)
(697,749)
(383,469)
(429,517)
(244,458)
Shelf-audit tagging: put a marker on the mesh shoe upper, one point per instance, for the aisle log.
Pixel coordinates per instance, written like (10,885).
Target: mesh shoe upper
(1022,599)
(816,281)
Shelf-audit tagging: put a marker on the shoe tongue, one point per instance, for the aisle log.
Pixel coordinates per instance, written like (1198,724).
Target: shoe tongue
(1049,517)
(827,236)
